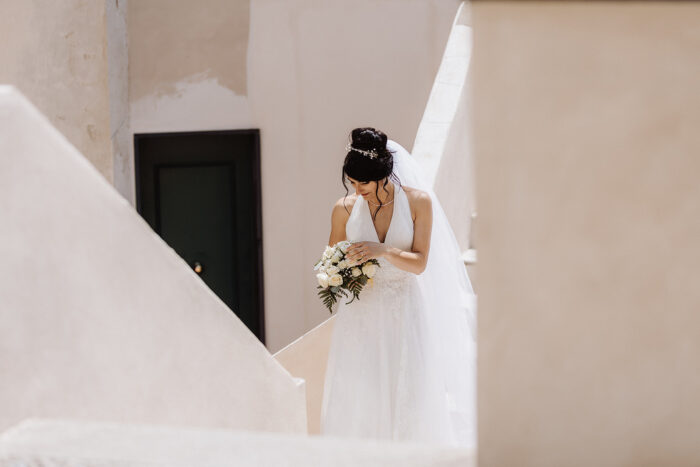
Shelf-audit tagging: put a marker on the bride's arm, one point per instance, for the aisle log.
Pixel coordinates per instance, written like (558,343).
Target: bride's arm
(339,217)
(412,261)
(415,260)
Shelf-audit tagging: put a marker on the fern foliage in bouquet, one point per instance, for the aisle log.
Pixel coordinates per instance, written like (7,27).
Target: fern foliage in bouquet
(340,277)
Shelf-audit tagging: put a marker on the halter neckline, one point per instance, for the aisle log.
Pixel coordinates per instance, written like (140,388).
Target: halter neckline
(393,214)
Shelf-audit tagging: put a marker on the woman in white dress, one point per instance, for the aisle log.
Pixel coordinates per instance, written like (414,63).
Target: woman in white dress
(401,365)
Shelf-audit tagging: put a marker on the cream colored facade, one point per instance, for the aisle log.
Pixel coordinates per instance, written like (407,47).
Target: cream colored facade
(55,53)
(586,118)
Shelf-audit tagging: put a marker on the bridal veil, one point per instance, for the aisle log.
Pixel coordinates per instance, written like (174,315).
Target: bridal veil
(451,304)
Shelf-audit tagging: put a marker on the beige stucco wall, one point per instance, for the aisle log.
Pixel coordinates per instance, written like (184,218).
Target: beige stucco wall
(187,65)
(305,73)
(100,319)
(587,154)
(55,53)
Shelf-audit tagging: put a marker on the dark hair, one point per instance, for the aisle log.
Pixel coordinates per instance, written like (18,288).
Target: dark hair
(366,169)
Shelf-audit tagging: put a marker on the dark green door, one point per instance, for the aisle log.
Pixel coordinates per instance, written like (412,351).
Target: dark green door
(201,193)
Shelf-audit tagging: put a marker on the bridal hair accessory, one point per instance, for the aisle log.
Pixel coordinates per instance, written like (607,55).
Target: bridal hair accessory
(372,153)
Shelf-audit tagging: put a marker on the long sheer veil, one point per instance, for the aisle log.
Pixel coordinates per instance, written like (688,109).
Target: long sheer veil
(451,303)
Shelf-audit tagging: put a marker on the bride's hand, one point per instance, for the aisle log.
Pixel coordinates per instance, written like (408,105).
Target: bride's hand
(359,252)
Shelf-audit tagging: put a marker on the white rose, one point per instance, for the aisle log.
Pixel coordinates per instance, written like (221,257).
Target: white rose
(343,264)
(369,269)
(356,272)
(332,270)
(335,280)
(337,257)
(322,280)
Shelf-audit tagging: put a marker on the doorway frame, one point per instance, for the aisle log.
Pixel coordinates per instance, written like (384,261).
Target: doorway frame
(257,197)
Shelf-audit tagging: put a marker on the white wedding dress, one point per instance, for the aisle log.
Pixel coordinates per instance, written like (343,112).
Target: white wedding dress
(388,374)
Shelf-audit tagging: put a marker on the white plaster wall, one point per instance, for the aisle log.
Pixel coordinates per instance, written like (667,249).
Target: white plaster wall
(307,358)
(198,103)
(38,442)
(100,319)
(443,143)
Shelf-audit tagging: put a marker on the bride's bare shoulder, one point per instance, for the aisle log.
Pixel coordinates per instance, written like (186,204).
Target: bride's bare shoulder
(417,199)
(413,192)
(344,205)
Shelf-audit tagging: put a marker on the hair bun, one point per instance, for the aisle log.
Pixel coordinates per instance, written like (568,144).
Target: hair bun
(369,138)
(362,165)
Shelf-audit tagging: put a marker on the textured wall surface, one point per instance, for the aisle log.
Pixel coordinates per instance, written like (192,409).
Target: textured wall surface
(55,53)
(188,65)
(587,154)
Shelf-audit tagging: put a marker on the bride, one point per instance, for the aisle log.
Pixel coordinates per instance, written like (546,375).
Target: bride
(401,365)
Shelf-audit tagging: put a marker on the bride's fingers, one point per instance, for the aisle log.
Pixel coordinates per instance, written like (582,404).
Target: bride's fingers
(358,254)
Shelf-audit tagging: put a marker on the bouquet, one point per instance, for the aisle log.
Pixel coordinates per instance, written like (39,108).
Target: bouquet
(339,276)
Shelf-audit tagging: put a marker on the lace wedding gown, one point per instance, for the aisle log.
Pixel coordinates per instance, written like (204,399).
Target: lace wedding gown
(379,379)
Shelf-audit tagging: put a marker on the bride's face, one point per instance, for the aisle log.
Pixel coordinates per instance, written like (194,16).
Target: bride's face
(365,189)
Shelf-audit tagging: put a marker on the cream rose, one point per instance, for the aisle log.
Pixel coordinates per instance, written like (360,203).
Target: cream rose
(322,279)
(332,270)
(328,252)
(335,280)
(369,269)
(356,272)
